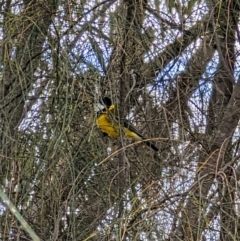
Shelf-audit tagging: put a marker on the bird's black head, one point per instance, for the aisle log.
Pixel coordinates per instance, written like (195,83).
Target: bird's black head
(106,101)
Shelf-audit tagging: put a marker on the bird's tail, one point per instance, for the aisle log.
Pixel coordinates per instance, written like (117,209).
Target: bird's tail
(151,145)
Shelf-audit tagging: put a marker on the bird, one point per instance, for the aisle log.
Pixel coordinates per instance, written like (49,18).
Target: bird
(108,122)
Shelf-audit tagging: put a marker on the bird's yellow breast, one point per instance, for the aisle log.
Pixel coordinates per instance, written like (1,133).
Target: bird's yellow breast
(106,125)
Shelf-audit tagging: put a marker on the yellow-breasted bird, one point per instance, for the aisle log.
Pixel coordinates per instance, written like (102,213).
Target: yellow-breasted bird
(108,123)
